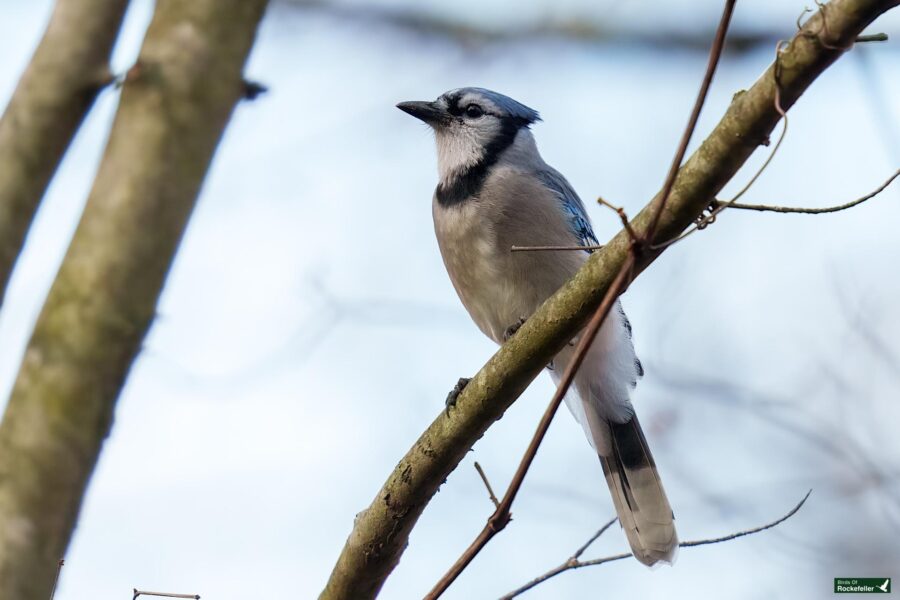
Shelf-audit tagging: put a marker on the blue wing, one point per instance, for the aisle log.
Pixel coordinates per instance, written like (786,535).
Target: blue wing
(571,204)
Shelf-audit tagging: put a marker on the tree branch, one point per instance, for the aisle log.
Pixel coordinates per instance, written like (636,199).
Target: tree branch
(381,532)
(175,104)
(807,211)
(574,563)
(66,72)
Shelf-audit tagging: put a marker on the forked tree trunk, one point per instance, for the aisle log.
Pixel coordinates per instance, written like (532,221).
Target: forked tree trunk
(175,104)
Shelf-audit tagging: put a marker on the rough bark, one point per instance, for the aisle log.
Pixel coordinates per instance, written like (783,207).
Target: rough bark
(67,71)
(175,104)
(381,532)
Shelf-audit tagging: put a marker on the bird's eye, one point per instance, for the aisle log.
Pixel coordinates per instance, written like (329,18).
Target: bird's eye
(474,111)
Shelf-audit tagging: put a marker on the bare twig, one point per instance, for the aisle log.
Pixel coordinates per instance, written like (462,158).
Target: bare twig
(553,248)
(138,592)
(574,563)
(593,539)
(571,563)
(622,217)
(59,566)
(487,484)
(810,211)
(875,37)
(715,54)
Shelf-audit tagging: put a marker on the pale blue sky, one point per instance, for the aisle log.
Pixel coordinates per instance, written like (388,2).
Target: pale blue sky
(308,332)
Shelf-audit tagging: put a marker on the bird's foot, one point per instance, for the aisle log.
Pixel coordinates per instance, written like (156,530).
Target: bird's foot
(456,391)
(512,329)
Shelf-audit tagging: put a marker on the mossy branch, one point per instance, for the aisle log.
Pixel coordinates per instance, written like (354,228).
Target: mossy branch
(381,532)
(66,72)
(175,104)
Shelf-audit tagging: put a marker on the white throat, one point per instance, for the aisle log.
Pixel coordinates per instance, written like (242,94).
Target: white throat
(456,154)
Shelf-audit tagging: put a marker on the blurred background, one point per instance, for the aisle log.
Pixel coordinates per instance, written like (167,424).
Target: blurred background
(308,332)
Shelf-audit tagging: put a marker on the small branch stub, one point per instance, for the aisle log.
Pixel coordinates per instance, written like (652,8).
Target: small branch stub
(138,592)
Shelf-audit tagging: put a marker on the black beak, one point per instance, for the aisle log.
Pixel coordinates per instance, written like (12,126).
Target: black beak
(424,111)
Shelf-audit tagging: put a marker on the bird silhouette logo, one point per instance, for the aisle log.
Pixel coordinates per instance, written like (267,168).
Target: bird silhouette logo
(884,586)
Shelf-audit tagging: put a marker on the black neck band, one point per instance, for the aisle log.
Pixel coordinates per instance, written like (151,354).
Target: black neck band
(468,183)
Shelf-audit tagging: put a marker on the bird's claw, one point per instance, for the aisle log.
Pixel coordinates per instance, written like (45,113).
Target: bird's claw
(512,329)
(456,391)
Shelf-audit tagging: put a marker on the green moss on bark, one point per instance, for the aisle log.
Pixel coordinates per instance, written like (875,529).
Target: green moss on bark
(66,72)
(175,104)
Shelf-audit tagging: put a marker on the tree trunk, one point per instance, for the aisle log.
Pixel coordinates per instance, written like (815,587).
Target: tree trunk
(67,71)
(175,104)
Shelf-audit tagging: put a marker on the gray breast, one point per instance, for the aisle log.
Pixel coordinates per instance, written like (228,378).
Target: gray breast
(497,286)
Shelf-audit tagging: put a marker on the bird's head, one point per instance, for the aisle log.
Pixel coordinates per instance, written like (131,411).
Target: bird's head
(471,125)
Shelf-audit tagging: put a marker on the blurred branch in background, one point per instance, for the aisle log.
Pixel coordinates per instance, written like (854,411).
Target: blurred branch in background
(587,29)
(66,72)
(380,533)
(418,19)
(175,104)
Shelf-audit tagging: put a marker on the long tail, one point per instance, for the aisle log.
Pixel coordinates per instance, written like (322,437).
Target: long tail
(638,495)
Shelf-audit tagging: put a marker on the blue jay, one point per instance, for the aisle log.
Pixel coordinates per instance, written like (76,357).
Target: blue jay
(495,191)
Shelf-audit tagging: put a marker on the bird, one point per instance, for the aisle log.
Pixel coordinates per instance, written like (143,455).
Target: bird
(495,191)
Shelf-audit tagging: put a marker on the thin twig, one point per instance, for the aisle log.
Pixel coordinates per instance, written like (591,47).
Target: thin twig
(622,217)
(501,517)
(552,248)
(593,539)
(747,532)
(811,211)
(59,567)
(487,484)
(874,37)
(138,592)
(715,54)
(573,562)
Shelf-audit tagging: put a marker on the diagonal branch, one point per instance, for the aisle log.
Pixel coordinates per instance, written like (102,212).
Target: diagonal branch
(381,532)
